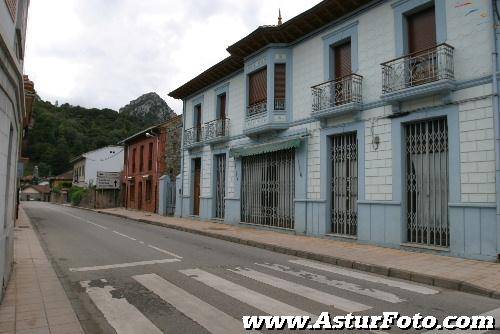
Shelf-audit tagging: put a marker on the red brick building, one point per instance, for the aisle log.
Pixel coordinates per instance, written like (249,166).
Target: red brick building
(150,154)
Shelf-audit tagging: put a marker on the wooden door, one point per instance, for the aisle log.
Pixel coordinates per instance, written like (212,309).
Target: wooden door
(139,196)
(342,90)
(196,186)
(421,30)
(197,120)
(342,57)
(422,37)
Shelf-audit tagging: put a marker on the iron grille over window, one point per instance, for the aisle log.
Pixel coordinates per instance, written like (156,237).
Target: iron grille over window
(220,187)
(344,184)
(427,183)
(268,189)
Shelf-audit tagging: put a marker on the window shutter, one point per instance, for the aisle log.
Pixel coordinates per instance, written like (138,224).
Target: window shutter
(279,81)
(257,92)
(222,106)
(342,54)
(422,30)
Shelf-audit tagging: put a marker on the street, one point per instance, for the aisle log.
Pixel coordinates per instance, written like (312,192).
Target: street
(131,277)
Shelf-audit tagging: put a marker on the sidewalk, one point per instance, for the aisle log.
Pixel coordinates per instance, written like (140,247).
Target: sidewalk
(471,276)
(35,301)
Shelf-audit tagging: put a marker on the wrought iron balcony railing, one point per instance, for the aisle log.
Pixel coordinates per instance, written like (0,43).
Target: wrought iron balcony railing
(218,128)
(422,67)
(257,109)
(338,92)
(193,136)
(279,104)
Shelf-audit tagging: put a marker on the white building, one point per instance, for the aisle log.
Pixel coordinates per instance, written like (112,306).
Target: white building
(13,15)
(363,120)
(105,159)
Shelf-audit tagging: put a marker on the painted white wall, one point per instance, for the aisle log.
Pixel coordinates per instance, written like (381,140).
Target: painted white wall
(106,159)
(470,35)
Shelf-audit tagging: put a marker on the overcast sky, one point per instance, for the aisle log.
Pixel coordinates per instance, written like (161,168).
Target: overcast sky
(104,53)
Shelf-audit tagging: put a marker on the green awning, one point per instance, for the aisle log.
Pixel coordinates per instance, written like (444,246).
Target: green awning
(265,148)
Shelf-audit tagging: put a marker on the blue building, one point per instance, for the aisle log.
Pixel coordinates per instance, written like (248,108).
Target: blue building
(368,121)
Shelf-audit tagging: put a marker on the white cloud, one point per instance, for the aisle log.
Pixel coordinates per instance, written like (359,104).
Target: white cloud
(105,53)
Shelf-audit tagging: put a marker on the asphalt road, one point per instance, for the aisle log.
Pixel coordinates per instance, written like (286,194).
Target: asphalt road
(130,277)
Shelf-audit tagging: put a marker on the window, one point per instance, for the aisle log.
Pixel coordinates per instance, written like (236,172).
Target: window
(197,122)
(150,157)
(134,151)
(12,6)
(279,86)
(421,30)
(132,192)
(257,87)
(342,60)
(149,190)
(221,105)
(141,161)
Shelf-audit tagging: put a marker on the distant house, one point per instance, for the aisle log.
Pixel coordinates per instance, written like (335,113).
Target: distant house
(61,181)
(86,166)
(35,193)
(150,154)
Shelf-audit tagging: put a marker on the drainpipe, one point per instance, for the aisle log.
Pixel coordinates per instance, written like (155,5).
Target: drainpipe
(496,113)
(182,156)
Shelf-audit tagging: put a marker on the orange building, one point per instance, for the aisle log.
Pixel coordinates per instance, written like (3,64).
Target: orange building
(150,154)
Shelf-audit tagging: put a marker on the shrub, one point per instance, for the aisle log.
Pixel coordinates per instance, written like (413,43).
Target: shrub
(76,194)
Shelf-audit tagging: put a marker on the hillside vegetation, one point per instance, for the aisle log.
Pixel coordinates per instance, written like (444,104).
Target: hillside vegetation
(63,132)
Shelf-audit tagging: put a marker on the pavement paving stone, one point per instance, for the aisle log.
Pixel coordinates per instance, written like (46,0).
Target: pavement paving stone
(35,301)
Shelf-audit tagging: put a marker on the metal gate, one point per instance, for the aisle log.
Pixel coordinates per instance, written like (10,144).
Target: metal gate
(268,189)
(427,183)
(344,184)
(220,186)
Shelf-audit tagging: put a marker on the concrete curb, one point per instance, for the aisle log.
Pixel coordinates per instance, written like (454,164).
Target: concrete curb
(441,282)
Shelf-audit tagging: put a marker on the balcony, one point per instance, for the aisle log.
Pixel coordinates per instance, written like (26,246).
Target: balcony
(216,131)
(193,137)
(337,97)
(279,104)
(423,73)
(260,120)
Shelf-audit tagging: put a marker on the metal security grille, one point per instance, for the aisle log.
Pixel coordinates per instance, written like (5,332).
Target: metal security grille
(427,183)
(344,184)
(220,186)
(268,189)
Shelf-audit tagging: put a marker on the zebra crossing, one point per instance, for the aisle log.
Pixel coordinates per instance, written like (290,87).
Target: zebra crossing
(242,284)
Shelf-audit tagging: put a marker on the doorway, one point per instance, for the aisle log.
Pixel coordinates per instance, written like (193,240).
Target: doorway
(196,186)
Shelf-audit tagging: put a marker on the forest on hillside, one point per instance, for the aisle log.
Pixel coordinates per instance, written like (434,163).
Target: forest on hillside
(63,132)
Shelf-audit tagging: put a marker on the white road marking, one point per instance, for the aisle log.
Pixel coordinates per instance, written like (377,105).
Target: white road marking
(123,265)
(304,291)
(207,316)
(141,242)
(85,220)
(259,301)
(352,287)
(121,315)
(366,277)
(164,251)
(124,235)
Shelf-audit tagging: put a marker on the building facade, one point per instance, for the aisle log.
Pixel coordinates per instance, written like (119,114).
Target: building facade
(86,166)
(149,155)
(367,121)
(13,15)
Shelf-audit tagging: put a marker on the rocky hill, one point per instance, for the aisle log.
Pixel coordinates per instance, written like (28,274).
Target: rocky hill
(150,107)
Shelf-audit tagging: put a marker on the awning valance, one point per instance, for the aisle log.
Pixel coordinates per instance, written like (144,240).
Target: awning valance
(245,151)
